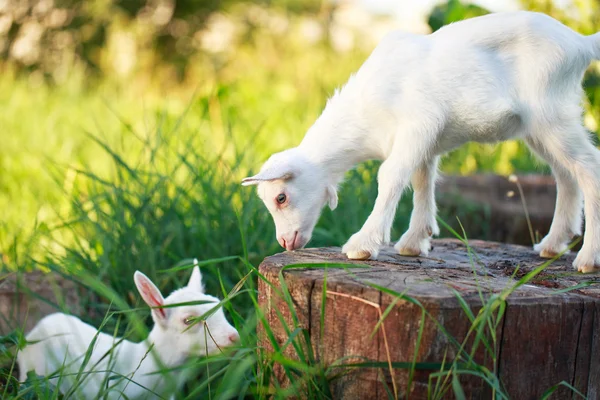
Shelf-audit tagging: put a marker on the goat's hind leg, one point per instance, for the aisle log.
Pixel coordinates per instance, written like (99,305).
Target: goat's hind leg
(417,239)
(567,220)
(570,147)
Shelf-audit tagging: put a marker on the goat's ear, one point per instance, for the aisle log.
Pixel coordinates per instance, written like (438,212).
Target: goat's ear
(275,172)
(195,282)
(151,296)
(332,197)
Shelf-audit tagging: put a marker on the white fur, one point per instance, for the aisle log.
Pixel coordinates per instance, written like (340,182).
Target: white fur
(58,344)
(487,79)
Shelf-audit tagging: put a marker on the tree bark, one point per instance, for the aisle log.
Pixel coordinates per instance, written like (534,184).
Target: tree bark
(545,336)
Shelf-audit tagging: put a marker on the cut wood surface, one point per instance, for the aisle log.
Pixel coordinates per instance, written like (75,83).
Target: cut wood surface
(546,336)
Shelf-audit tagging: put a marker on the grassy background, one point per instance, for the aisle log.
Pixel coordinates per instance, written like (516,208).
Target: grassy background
(100,177)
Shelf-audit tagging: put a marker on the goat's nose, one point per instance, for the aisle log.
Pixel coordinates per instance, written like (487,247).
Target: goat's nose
(234,337)
(281,241)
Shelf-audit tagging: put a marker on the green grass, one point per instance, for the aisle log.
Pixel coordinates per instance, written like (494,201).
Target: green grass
(173,199)
(103,180)
(260,101)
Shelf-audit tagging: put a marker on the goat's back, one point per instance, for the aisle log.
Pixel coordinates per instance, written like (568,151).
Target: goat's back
(535,47)
(59,342)
(476,72)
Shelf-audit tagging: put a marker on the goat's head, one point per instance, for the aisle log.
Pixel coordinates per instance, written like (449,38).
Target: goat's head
(190,319)
(294,191)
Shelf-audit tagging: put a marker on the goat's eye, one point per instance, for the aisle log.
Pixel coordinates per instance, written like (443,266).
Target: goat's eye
(189,320)
(281,198)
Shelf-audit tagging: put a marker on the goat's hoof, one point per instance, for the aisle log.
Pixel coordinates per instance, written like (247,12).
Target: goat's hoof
(409,251)
(586,268)
(586,262)
(358,255)
(551,248)
(548,253)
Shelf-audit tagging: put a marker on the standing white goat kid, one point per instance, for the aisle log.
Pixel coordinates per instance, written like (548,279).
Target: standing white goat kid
(59,343)
(487,79)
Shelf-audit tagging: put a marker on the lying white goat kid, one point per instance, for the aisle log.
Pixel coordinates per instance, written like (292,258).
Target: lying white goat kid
(487,79)
(59,344)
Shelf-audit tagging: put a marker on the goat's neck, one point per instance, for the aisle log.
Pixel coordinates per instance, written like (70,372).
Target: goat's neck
(339,140)
(149,356)
(332,154)
(164,349)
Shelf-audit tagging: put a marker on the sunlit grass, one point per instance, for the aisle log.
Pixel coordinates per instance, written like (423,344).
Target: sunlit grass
(171,200)
(99,180)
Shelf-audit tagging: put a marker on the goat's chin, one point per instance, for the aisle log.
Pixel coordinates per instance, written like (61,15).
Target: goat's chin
(219,348)
(211,351)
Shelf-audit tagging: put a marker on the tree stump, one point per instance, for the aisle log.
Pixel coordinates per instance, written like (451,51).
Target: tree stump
(496,210)
(546,335)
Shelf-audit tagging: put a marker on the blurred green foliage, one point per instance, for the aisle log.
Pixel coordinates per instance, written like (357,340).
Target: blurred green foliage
(453,11)
(119,69)
(267,91)
(127,125)
(51,35)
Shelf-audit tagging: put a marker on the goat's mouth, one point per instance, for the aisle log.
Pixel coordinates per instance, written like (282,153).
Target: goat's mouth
(299,241)
(291,242)
(293,245)
(294,241)
(303,241)
(224,349)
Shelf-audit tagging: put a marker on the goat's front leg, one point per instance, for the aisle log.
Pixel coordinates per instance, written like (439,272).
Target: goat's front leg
(417,239)
(393,177)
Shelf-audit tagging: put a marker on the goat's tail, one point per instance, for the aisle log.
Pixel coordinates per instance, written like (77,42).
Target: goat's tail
(595,45)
